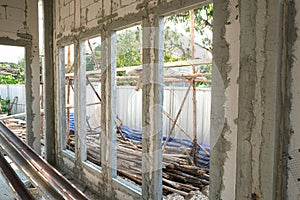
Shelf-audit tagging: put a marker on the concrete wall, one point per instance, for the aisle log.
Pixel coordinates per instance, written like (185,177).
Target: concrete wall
(293,99)
(19,27)
(256,50)
(225,88)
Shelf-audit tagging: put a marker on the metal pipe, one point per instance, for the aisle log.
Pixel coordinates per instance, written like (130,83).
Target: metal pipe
(47,179)
(14,182)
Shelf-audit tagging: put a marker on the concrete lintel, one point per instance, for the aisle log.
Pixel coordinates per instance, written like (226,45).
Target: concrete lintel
(152,107)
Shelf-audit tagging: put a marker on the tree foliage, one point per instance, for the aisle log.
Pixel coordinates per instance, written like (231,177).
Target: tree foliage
(203,23)
(12,73)
(4,105)
(129,47)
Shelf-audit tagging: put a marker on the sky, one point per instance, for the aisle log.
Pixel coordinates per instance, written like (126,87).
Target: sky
(11,53)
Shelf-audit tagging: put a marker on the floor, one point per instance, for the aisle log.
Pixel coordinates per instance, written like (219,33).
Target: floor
(5,192)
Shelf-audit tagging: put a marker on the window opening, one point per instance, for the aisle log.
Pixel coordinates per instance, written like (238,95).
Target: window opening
(12,89)
(92,56)
(129,104)
(186,106)
(69,85)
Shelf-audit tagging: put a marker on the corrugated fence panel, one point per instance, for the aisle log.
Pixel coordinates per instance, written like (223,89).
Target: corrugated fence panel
(129,107)
(12,91)
(129,110)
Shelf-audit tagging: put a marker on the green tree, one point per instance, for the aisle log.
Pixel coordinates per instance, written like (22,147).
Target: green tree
(12,73)
(96,46)
(203,24)
(129,47)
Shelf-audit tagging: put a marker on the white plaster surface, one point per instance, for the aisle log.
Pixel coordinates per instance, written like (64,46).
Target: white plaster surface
(293,191)
(231,96)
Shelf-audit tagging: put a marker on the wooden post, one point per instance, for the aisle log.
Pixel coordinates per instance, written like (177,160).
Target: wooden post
(192,28)
(185,133)
(93,55)
(177,116)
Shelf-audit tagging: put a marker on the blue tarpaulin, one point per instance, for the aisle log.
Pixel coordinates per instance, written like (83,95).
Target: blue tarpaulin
(72,121)
(136,135)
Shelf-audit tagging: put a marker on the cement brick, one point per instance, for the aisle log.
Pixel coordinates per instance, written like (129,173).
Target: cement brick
(68,2)
(93,12)
(106,8)
(115,5)
(69,23)
(11,26)
(127,2)
(2,13)
(130,9)
(15,14)
(93,23)
(85,3)
(14,3)
(83,17)
(72,7)
(64,11)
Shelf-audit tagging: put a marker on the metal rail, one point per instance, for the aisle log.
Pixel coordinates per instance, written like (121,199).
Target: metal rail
(44,177)
(15,183)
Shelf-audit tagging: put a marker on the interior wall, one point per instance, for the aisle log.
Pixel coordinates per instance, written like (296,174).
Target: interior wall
(256,149)
(19,27)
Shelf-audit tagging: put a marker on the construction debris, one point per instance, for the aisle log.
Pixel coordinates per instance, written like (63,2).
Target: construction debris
(180,175)
(18,126)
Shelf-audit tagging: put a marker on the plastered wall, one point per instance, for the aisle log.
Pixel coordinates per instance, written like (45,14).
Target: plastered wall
(294,96)
(258,64)
(19,27)
(224,99)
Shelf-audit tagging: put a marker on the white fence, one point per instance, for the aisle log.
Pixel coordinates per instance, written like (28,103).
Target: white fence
(129,107)
(12,91)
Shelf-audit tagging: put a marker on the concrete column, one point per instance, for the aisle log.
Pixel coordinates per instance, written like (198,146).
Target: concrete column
(33,78)
(61,101)
(80,102)
(223,139)
(153,59)
(259,151)
(108,112)
(50,138)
